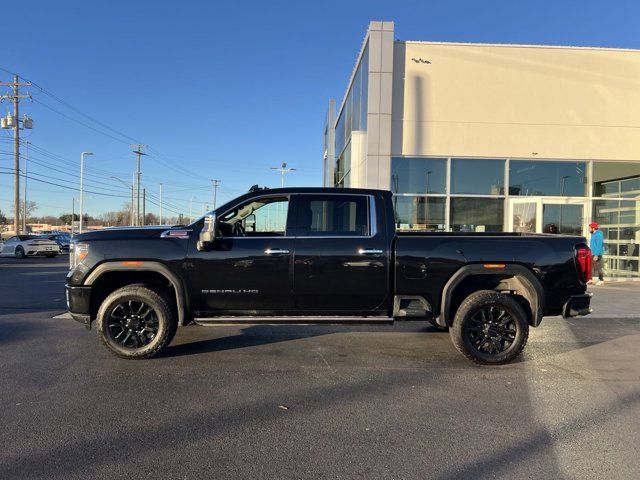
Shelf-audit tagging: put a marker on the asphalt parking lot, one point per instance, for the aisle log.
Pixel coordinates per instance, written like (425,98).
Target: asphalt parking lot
(313,402)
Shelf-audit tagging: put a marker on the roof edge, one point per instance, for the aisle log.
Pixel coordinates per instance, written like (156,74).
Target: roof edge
(520,45)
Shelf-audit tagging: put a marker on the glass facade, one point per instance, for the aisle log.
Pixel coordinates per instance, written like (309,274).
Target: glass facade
(418,175)
(343,168)
(563,197)
(353,117)
(420,213)
(477,214)
(547,178)
(616,186)
(477,177)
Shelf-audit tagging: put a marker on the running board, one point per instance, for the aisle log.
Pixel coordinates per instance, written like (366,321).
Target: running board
(310,320)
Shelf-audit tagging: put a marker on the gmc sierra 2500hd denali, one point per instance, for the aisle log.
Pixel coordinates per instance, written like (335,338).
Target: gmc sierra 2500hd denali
(322,255)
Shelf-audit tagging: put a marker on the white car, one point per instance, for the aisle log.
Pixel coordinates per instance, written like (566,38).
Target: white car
(22,246)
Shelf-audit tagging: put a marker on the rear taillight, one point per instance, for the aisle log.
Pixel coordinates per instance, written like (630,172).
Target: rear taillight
(583,259)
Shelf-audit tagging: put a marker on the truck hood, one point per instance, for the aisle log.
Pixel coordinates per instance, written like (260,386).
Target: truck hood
(124,233)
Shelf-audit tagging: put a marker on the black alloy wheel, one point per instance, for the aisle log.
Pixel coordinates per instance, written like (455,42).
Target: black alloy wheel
(132,324)
(490,328)
(19,252)
(137,321)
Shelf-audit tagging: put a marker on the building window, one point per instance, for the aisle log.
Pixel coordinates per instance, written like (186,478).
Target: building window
(477,214)
(616,179)
(550,178)
(353,114)
(477,177)
(418,175)
(620,225)
(420,213)
(342,174)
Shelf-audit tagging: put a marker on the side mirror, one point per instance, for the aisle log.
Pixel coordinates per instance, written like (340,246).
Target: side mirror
(208,233)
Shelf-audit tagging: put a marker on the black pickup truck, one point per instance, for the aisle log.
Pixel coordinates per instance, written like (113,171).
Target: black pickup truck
(321,255)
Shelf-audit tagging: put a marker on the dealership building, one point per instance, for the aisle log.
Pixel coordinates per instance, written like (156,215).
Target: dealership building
(492,138)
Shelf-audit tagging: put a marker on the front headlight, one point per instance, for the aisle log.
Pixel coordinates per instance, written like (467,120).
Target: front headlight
(77,253)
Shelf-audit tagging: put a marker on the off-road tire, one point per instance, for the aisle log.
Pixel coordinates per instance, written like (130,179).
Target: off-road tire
(473,304)
(19,252)
(167,320)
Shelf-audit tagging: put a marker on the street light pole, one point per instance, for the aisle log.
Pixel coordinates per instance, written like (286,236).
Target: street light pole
(82,155)
(283,169)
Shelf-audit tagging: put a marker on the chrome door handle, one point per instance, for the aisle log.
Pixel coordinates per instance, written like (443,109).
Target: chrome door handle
(370,251)
(276,251)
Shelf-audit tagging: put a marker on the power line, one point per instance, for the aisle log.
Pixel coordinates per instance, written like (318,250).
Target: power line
(65,186)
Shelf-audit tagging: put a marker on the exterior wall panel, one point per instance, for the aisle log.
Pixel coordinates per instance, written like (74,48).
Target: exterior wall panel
(520,101)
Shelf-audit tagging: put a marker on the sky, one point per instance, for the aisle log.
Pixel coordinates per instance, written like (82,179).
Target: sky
(224,89)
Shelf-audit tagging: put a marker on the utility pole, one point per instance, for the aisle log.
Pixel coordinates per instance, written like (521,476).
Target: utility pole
(160,219)
(73,213)
(26,176)
(283,169)
(138,151)
(14,122)
(144,205)
(215,184)
(134,214)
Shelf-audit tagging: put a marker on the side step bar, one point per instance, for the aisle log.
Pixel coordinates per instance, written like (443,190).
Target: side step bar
(308,320)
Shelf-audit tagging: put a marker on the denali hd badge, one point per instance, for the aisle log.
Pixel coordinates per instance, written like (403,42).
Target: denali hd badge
(240,291)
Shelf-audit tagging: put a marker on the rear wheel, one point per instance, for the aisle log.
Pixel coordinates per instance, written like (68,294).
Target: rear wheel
(136,322)
(19,252)
(490,328)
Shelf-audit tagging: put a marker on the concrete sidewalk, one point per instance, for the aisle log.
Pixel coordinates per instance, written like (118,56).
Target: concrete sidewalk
(616,300)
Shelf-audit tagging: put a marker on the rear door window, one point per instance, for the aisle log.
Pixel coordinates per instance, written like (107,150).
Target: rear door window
(333,216)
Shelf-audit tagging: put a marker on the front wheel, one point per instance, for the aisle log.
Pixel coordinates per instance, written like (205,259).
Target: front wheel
(490,328)
(19,253)
(136,322)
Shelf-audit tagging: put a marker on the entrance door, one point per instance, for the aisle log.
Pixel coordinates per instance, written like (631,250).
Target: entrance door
(547,215)
(564,218)
(524,216)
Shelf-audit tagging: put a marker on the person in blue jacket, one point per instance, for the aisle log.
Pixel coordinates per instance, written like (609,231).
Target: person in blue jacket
(597,250)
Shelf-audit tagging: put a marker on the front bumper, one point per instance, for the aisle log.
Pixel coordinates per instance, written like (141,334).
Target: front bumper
(577,305)
(78,299)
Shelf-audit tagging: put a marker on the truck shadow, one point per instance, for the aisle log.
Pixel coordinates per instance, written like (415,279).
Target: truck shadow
(256,335)
(431,342)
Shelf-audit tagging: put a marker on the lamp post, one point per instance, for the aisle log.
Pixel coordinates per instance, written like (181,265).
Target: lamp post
(82,155)
(283,169)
